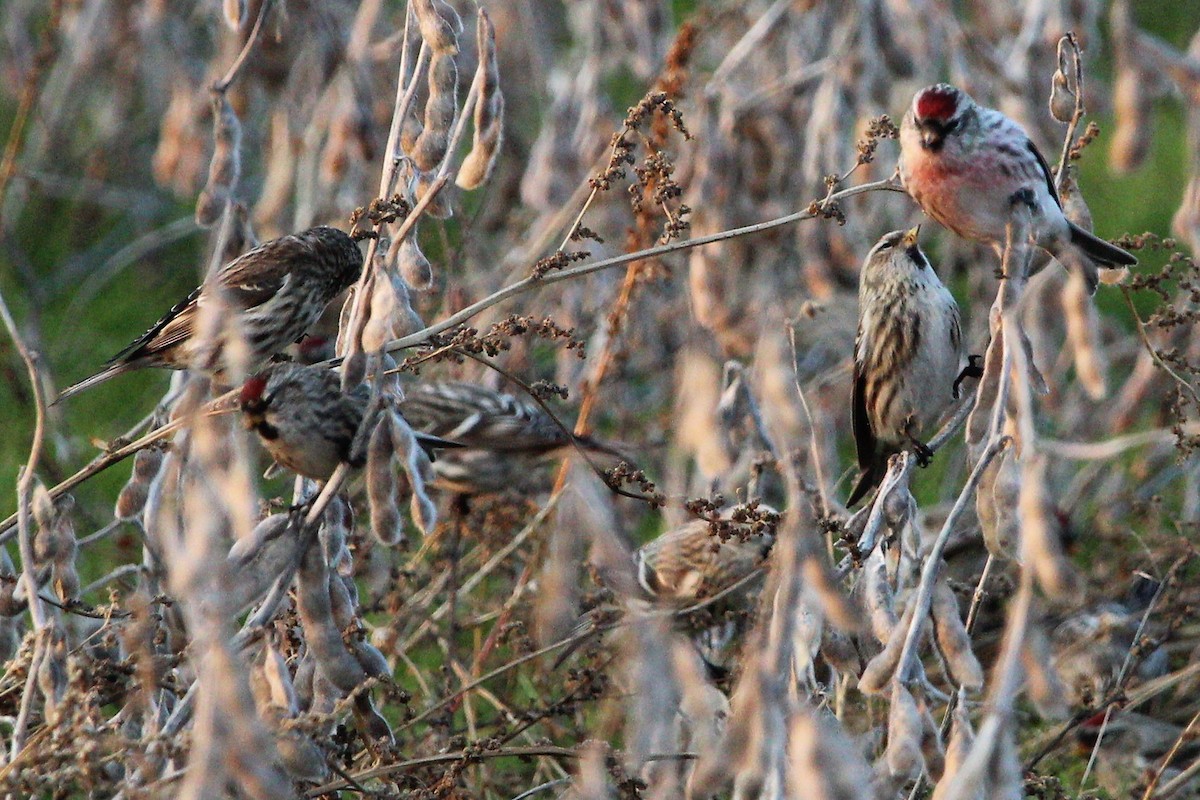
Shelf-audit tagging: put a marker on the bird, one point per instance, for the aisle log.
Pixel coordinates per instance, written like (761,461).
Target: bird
(273,294)
(908,355)
(968,167)
(690,562)
(501,436)
(307,423)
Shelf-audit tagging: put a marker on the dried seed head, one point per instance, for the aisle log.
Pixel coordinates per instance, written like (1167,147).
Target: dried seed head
(226,166)
(440,25)
(1083,330)
(441,110)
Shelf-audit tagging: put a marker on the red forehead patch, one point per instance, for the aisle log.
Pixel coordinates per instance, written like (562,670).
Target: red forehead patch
(937,102)
(252,389)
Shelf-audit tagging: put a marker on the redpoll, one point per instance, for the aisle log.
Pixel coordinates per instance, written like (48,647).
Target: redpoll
(501,435)
(274,292)
(907,355)
(1133,750)
(307,423)
(691,562)
(967,166)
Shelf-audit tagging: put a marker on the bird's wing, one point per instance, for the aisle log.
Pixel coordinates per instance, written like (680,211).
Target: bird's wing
(255,277)
(174,327)
(865,443)
(1046,172)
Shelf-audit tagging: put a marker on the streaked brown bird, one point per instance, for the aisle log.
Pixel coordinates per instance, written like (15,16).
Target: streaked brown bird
(272,293)
(307,423)
(907,355)
(502,437)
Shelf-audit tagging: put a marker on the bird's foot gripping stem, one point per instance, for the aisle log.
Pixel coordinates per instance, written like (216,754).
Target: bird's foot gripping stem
(973,369)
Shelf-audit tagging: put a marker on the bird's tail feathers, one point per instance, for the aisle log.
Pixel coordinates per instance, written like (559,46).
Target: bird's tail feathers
(110,371)
(871,477)
(1101,252)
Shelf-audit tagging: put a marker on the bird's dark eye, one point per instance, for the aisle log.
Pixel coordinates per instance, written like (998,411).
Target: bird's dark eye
(951,125)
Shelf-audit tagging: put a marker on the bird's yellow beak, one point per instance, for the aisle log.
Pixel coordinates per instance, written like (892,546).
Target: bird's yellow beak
(910,236)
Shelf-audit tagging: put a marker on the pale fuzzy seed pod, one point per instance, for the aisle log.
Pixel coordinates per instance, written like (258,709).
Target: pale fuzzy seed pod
(337,524)
(414,266)
(370,658)
(386,524)
(840,652)
(321,632)
(489,110)
(1040,547)
(932,751)
(1083,328)
(10,637)
(342,603)
(255,561)
(410,131)
(441,111)
(440,25)
(961,739)
(279,681)
(905,728)
(1062,99)
(879,670)
(420,474)
(179,157)
(54,544)
(335,155)
(370,721)
(1006,490)
(132,499)
(1133,106)
(441,206)
(234,12)
(226,166)
(276,699)
(823,762)
(952,637)
(391,313)
(52,672)
(1042,683)
(879,599)
(1186,222)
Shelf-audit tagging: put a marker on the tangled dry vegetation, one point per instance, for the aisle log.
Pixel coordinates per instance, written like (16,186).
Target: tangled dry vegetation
(1014,621)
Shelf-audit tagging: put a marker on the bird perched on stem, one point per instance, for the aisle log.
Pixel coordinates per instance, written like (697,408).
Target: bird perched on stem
(968,166)
(907,356)
(272,294)
(307,423)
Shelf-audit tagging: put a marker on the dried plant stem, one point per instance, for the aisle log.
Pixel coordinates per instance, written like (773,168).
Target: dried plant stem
(222,86)
(1141,329)
(814,449)
(1077,115)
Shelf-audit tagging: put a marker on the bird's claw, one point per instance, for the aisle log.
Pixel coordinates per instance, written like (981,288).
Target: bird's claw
(923,454)
(973,369)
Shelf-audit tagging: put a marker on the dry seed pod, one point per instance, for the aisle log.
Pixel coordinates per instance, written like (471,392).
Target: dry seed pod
(337,523)
(132,498)
(10,637)
(1186,222)
(905,728)
(953,639)
(1133,108)
(179,157)
(391,313)
(255,561)
(225,167)
(1040,547)
(1083,328)
(441,110)
(880,601)
(1006,489)
(1062,99)
(234,13)
(879,669)
(279,681)
(342,602)
(1047,692)
(335,155)
(370,658)
(441,206)
(414,266)
(386,523)
(321,632)
(440,25)
(489,110)
(823,762)
(370,721)
(420,474)
(410,131)
(52,672)
(961,739)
